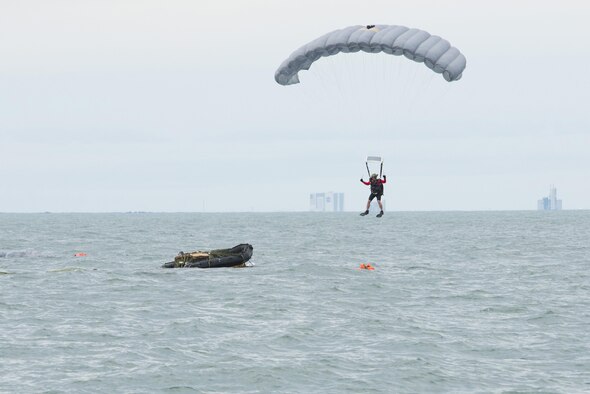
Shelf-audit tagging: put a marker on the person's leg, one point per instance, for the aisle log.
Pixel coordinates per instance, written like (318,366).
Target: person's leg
(368,205)
(380,206)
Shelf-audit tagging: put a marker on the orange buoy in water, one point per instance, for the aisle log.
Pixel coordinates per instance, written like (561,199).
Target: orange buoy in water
(79,254)
(367,267)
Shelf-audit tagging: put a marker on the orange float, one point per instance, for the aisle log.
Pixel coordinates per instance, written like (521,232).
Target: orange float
(79,254)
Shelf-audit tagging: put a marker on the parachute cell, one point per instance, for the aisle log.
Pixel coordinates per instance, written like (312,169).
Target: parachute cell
(415,44)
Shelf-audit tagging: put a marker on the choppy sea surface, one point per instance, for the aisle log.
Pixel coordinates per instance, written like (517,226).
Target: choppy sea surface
(458,302)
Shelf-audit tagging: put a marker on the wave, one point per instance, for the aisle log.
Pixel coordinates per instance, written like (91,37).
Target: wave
(11,254)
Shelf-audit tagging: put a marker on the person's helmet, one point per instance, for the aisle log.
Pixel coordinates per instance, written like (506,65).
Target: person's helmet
(374,176)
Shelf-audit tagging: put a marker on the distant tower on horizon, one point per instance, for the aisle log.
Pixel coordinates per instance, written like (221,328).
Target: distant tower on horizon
(550,203)
(326,202)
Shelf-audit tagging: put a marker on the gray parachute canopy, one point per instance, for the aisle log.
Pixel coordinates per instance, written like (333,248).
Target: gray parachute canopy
(415,44)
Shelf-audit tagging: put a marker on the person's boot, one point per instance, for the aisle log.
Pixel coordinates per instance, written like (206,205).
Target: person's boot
(365,213)
(380,214)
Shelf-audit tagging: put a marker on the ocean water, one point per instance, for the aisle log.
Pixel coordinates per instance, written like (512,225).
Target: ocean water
(458,302)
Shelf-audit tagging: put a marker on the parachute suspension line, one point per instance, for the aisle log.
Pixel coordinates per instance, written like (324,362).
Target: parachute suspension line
(389,107)
(396,81)
(323,77)
(340,83)
(382,107)
(381,170)
(350,88)
(445,93)
(399,69)
(378,80)
(408,91)
(354,89)
(338,77)
(322,86)
(343,100)
(364,76)
(306,92)
(307,97)
(368,171)
(427,90)
(388,86)
(352,80)
(332,71)
(421,90)
(337,67)
(380,99)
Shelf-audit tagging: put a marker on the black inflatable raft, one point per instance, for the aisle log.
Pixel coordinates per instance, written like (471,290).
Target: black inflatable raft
(233,257)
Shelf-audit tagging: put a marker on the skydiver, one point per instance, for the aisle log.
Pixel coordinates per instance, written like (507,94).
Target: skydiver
(376,191)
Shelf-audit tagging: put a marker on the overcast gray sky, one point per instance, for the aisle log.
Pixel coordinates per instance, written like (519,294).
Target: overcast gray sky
(119,105)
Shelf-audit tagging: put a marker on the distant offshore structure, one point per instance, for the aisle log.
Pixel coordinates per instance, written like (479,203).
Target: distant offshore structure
(326,202)
(550,203)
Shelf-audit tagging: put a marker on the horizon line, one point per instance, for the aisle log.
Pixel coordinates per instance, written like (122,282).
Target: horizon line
(277,211)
